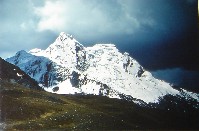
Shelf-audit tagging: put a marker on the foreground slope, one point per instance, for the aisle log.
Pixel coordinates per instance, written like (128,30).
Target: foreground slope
(14,74)
(27,109)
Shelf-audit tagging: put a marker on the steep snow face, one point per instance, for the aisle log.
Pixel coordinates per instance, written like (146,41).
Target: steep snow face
(65,51)
(67,67)
(40,68)
(124,75)
(34,66)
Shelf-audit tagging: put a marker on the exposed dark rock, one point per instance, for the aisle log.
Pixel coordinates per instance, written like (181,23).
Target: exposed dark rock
(140,72)
(74,79)
(55,89)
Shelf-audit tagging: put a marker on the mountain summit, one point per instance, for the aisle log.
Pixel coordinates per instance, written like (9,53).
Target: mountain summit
(67,67)
(64,51)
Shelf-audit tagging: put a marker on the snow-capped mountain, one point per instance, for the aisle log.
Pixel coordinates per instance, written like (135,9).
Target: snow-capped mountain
(67,67)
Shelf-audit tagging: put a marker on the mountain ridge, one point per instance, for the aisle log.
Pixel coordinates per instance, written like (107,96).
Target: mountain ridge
(69,68)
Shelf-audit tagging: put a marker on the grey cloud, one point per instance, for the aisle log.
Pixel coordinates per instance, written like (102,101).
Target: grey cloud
(94,18)
(17,26)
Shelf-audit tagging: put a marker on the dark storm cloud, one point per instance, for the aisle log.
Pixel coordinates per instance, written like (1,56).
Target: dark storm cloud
(179,77)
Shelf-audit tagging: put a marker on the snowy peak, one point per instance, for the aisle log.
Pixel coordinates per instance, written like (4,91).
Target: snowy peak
(43,70)
(67,67)
(65,51)
(63,36)
(20,57)
(22,52)
(64,40)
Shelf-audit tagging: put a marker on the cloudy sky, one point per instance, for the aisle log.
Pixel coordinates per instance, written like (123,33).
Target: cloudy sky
(160,34)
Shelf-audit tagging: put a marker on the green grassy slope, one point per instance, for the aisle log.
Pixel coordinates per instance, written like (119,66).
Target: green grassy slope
(26,109)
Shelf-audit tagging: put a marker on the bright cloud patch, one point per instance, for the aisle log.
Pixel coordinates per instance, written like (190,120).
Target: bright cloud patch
(89,17)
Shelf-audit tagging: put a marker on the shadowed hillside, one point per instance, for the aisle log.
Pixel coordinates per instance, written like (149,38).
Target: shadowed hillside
(14,74)
(26,109)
